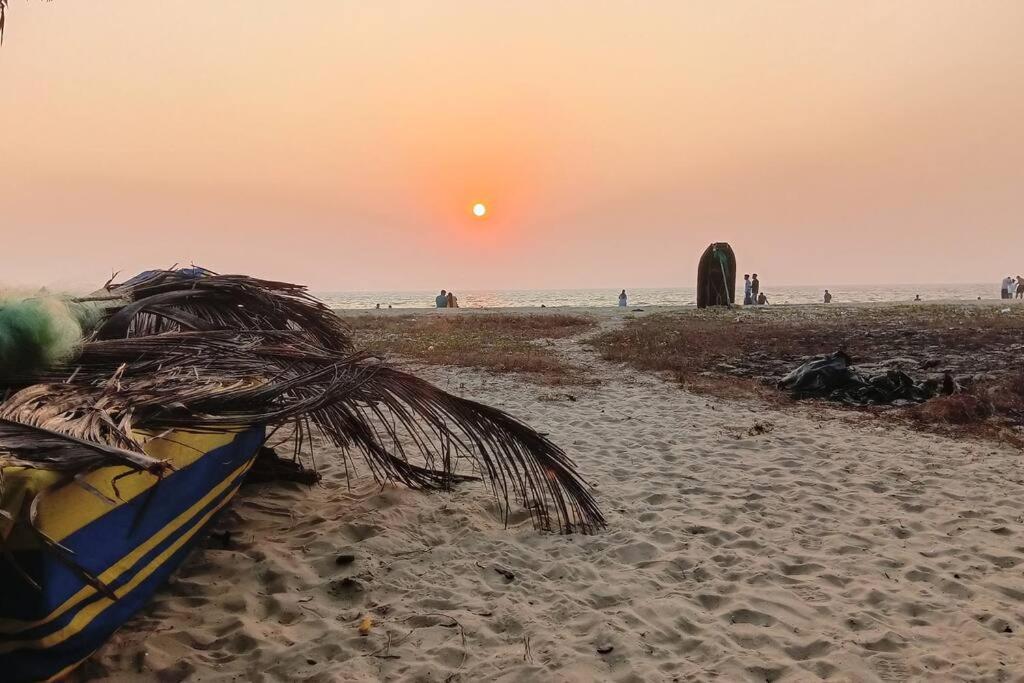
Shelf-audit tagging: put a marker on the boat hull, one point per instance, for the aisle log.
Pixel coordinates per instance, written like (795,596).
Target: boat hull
(132,542)
(716,276)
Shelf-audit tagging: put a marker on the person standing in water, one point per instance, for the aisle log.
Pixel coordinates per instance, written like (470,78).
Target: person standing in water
(827,297)
(755,287)
(623,299)
(441,300)
(748,292)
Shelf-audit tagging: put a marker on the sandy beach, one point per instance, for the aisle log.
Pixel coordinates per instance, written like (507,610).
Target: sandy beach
(745,542)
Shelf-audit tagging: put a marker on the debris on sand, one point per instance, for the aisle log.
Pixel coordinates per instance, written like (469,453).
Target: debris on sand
(836,378)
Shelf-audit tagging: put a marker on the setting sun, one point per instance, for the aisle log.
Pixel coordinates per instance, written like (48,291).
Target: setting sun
(479,210)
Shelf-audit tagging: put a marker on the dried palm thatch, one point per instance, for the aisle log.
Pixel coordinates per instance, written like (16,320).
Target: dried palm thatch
(198,299)
(199,351)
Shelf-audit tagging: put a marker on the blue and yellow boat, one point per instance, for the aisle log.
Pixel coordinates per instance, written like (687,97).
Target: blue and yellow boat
(131,533)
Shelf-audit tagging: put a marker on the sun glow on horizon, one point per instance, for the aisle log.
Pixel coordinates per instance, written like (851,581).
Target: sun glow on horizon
(479,210)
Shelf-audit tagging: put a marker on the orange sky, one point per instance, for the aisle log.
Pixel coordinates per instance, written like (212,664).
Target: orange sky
(343,144)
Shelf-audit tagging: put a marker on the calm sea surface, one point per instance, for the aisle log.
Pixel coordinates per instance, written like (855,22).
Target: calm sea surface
(667,296)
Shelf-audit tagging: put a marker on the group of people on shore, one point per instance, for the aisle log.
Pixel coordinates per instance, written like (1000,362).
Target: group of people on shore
(446,300)
(1012,288)
(752,294)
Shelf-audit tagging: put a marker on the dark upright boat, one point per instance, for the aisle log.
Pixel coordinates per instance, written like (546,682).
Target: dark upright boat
(716,276)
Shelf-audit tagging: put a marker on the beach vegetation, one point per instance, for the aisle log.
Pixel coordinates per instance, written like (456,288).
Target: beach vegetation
(498,342)
(737,352)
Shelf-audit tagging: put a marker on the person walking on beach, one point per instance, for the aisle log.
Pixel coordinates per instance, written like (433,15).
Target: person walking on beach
(623,299)
(1020,287)
(827,297)
(748,292)
(453,301)
(755,287)
(441,301)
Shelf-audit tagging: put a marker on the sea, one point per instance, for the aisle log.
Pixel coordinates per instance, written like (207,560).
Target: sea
(656,296)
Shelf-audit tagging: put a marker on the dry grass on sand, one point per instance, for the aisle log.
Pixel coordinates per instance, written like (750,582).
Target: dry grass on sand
(499,342)
(746,350)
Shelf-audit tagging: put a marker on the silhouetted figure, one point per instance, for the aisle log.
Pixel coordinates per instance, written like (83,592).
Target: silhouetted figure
(762,299)
(441,300)
(827,297)
(622,299)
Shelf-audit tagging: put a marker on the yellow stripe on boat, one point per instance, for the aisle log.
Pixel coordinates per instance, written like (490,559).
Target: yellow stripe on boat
(90,612)
(125,563)
(131,541)
(68,508)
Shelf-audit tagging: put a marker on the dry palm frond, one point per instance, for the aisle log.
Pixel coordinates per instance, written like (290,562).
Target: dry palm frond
(222,379)
(196,299)
(196,351)
(27,445)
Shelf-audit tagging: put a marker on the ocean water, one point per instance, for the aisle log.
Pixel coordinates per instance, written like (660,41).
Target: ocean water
(656,296)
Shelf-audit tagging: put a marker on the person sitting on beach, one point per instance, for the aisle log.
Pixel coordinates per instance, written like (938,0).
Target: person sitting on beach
(622,299)
(828,297)
(761,298)
(917,297)
(441,301)
(748,293)
(453,301)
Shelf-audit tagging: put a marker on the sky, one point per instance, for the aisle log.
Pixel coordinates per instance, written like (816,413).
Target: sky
(342,143)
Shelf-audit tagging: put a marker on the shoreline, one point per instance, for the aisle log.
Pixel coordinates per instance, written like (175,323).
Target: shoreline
(663,308)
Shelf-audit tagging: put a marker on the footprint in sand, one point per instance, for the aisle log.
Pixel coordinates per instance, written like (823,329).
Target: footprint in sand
(749,616)
(710,601)
(817,648)
(811,594)
(801,569)
(890,642)
(810,543)
(890,669)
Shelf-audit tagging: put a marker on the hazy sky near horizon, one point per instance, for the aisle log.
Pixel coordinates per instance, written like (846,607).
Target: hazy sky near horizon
(343,144)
